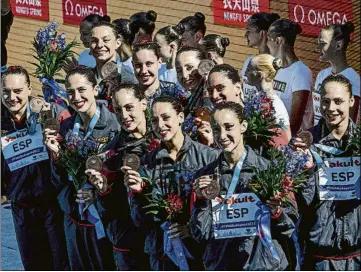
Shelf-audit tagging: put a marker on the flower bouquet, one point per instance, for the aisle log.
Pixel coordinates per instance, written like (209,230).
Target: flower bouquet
(262,124)
(171,208)
(73,155)
(51,52)
(284,176)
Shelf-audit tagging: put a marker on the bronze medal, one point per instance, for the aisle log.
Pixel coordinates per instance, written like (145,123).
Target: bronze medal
(132,161)
(94,163)
(212,191)
(205,66)
(306,137)
(203,114)
(52,124)
(108,69)
(36,104)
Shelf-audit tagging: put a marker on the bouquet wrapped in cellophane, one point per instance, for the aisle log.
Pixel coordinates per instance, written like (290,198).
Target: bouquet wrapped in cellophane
(51,52)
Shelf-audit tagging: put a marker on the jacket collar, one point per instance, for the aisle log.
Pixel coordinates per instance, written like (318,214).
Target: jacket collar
(251,160)
(163,152)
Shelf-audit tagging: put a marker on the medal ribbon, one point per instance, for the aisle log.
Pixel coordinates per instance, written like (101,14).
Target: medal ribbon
(92,124)
(236,174)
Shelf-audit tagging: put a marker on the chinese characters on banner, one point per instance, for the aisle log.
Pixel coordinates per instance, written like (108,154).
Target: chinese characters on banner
(313,15)
(237,12)
(74,11)
(35,9)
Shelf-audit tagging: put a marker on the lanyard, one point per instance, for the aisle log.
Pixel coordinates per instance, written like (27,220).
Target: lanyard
(236,174)
(92,124)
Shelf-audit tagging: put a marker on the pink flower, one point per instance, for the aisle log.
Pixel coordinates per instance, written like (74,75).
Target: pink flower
(53,45)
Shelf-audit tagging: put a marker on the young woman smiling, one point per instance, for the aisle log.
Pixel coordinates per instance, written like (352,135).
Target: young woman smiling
(169,39)
(146,62)
(85,58)
(128,241)
(293,82)
(332,45)
(104,43)
(256,35)
(175,161)
(233,172)
(330,225)
(93,123)
(38,220)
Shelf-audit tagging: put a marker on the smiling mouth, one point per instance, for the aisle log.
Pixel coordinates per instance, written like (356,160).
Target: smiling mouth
(12,104)
(332,117)
(163,133)
(127,123)
(79,105)
(225,144)
(218,100)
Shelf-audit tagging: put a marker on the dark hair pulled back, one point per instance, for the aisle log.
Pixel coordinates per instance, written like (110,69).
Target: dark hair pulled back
(285,28)
(217,43)
(195,23)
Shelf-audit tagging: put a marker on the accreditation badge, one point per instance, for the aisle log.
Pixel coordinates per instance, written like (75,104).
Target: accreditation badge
(21,149)
(338,178)
(236,216)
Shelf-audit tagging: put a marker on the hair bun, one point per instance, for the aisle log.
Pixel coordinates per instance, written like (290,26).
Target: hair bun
(152,15)
(274,16)
(277,63)
(225,41)
(298,28)
(106,18)
(200,16)
(349,27)
(180,28)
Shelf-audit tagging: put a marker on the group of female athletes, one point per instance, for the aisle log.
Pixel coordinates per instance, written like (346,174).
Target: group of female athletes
(158,86)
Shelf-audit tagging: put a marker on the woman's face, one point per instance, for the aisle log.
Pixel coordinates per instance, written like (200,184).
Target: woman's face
(227,130)
(165,48)
(146,66)
(221,89)
(85,33)
(336,103)
(15,92)
(81,93)
(252,35)
(187,70)
(142,37)
(325,46)
(130,110)
(104,44)
(166,122)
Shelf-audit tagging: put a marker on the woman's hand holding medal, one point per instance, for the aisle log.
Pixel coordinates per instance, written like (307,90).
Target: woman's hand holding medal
(207,186)
(132,178)
(51,135)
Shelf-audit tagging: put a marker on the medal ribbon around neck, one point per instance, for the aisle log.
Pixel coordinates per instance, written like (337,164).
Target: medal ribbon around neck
(92,124)
(236,174)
